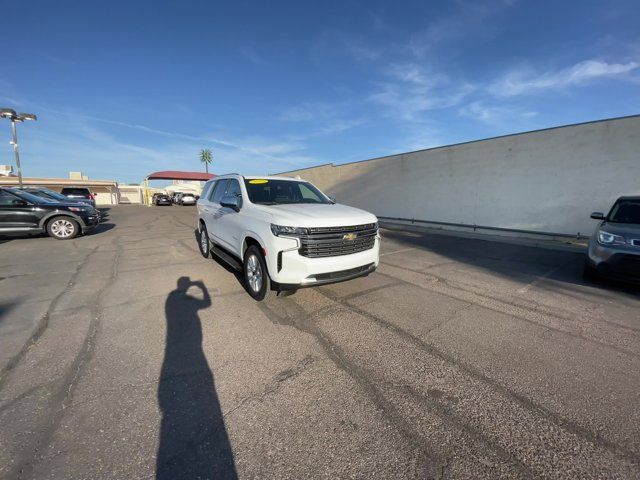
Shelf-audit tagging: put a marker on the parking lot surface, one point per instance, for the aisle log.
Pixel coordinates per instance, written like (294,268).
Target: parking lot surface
(125,354)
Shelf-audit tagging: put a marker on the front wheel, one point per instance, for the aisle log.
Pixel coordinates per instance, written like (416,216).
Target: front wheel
(63,228)
(203,243)
(256,277)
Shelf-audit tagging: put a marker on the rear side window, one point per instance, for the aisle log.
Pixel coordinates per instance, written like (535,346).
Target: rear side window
(218,193)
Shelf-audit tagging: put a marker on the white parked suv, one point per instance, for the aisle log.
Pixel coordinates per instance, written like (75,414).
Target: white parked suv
(284,233)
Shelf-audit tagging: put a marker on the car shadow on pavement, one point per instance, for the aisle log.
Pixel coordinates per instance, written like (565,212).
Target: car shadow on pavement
(193,438)
(518,262)
(101,228)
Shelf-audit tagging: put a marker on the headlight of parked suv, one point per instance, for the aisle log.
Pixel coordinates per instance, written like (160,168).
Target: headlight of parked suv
(606,238)
(278,230)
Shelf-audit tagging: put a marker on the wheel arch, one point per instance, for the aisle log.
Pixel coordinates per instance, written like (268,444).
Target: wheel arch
(58,213)
(249,239)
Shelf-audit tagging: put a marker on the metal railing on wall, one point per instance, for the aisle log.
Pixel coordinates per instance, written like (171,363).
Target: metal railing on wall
(475,228)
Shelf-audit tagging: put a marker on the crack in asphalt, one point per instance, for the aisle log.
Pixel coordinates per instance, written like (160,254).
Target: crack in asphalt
(43,322)
(485,300)
(520,399)
(61,399)
(276,383)
(303,322)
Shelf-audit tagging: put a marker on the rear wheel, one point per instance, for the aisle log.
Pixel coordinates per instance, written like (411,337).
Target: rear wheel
(63,228)
(256,277)
(203,242)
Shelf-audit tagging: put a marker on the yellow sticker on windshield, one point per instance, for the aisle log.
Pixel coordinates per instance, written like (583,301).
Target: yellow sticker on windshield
(258,181)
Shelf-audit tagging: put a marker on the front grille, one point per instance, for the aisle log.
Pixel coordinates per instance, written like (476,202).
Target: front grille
(331,241)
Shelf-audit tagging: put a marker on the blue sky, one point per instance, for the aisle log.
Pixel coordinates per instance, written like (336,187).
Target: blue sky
(124,88)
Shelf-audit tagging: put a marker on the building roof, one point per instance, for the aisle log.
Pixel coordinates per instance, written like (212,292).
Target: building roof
(58,181)
(177,175)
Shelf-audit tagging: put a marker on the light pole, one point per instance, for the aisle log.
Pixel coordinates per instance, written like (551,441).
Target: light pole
(16,117)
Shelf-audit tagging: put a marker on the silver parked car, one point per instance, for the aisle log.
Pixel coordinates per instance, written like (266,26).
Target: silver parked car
(187,199)
(614,248)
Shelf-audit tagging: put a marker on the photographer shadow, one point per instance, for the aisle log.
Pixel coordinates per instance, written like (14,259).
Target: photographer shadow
(193,437)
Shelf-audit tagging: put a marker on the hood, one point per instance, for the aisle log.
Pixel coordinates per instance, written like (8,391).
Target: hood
(627,230)
(317,215)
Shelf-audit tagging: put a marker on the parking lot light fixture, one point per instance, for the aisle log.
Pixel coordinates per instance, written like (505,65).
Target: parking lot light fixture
(14,117)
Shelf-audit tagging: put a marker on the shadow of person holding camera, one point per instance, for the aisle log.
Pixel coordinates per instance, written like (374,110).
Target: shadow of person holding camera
(193,438)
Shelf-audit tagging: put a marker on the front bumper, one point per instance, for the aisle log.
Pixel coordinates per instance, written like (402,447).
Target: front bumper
(619,262)
(89,221)
(289,270)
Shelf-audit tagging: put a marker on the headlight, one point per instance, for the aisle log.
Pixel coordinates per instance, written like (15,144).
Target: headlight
(606,238)
(278,230)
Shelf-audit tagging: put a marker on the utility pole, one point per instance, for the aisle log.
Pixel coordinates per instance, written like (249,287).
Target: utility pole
(16,117)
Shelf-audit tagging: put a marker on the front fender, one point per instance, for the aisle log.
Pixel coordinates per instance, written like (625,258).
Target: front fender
(252,234)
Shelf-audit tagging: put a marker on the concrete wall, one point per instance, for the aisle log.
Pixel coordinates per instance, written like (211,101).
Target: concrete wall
(547,181)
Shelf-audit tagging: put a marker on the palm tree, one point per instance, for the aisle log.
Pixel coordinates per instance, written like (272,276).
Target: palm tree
(206,157)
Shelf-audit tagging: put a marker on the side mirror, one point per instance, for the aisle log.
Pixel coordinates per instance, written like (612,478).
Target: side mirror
(231,201)
(597,216)
(20,203)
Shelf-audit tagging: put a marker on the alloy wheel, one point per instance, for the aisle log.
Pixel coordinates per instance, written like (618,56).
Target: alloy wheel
(62,228)
(254,273)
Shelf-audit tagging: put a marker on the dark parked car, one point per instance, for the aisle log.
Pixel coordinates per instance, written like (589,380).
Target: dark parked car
(22,212)
(162,199)
(56,197)
(79,193)
(614,248)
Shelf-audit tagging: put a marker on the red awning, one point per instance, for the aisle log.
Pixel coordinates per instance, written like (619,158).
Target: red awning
(176,175)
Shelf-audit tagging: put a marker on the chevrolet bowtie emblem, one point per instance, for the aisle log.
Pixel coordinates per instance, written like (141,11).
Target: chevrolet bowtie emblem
(350,236)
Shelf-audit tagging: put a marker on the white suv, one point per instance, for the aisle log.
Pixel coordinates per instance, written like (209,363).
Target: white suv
(284,233)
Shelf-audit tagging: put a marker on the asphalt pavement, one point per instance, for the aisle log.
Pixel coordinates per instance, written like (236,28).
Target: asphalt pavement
(125,354)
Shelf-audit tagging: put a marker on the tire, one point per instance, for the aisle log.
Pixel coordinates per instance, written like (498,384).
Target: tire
(256,277)
(203,242)
(63,228)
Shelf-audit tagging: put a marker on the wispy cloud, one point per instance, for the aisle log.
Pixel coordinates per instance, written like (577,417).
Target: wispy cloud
(501,116)
(321,118)
(413,90)
(523,80)
(249,52)
(467,15)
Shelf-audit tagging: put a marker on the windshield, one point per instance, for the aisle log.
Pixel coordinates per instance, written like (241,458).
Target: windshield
(625,211)
(280,192)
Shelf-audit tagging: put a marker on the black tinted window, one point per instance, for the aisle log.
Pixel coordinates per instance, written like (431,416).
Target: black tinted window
(276,192)
(218,193)
(76,191)
(625,211)
(6,198)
